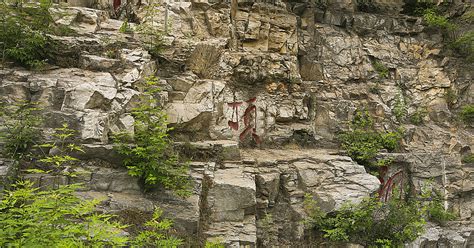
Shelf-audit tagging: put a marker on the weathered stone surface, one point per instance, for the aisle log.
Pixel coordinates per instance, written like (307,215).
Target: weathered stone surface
(226,185)
(294,74)
(97,63)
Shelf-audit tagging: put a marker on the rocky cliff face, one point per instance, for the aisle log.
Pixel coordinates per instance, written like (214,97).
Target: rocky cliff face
(257,93)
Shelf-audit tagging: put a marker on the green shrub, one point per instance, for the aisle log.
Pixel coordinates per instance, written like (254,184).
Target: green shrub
(62,146)
(151,35)
(155,235)
(214,244)
(433,205)
(375,89)
(437,213)
(417,7)
(417,117)
(468,16)
(125,27)
(467,113)
(467,159)
(434,19)
(54,218)
(58,218)
(450,97)
(381,69)
(399,108)
(23,32)
(151,156)
(371,223)
(464,45)
(20,130)
(363,142)
(361,145)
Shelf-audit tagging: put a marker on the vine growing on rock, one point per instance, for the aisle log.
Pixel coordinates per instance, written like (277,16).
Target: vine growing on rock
(147,152)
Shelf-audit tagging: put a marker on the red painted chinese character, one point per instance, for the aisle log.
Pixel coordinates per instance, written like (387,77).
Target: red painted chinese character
(235,111)
(387,189)
(250,128)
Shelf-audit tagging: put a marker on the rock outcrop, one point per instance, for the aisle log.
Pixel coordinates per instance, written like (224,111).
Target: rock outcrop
(261,90)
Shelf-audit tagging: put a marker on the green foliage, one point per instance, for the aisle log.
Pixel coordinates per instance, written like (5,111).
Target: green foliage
(267,230)
(58,218)
(434,19)
(399,108)
(152,36)
(417,7)
(60,148)
(375,89)
(417,117)
(213,244)
(20,127)
(464,45)
(468,16)
(23,32)
(54,218)
(156,233)
(467,113)
(434,206)
(381,69)
(151,157)
(467,159)
(450,97)
(363,142)
(436,212)
(371,223)
(125,27)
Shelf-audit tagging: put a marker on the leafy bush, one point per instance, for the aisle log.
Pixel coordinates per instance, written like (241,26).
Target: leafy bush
(434,19)
(417,7)
(151,157)
(23,33)
(54,218)
(468,16)
(467,113)
(214,244)
(20,123)
(125,27)
(450,97)
(58,218)
(152,36)
(381,69)
(417,117)
(60,149)
(437,213)
(363,142)
(371,223)
(464,45)
(467,159)
(155,233)
(399,108)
